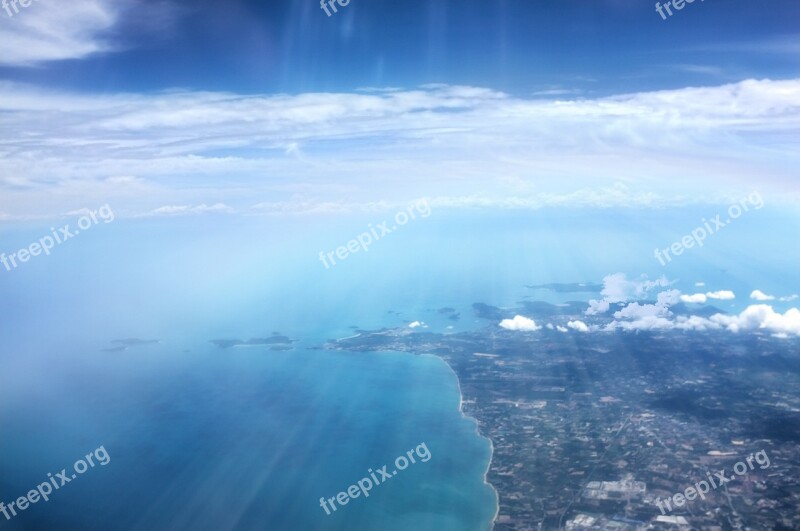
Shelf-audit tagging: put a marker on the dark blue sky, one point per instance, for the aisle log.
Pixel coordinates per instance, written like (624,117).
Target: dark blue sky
(519,46)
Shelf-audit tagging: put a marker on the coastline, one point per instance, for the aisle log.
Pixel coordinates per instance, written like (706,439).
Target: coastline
(478,433)
(471,419)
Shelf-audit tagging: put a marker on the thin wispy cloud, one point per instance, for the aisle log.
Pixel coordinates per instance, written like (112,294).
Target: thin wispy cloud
(49,30)
(788,44)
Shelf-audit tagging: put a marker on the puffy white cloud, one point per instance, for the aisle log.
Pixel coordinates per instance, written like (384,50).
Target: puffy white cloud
(761,317)
(636,316)
(580,326)
(561,329)
(597,307)
(648,316)
(668,298)
(617,288)
(693,322)
(635,310)
(416,324)
(696,298)
(755,317)
(520,324)
(761,296)
(703,297)
(723,295)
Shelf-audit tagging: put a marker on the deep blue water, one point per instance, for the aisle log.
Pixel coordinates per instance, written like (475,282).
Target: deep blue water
(240,438)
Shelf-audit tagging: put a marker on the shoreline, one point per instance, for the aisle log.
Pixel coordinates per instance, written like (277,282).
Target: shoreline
(478,433)
(486,482)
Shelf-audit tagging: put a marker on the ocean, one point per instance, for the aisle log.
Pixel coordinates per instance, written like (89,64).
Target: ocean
(203,437)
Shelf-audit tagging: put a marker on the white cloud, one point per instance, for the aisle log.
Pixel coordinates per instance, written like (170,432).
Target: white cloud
(703,297)
(49,30)
(761,317)
(177,210)
(519,323)
(699,284)
(561,329)
(430,137)
(668,298)
(753,318)
(416,324)
(597,307)
(615,195)
(650,314)
(617,288)
(696,298)
(761,296)
(636,316)
(580,326)
(723,295)
(694,322)
(635,310)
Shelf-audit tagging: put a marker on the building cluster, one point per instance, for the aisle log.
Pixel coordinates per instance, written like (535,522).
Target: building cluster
(591,431)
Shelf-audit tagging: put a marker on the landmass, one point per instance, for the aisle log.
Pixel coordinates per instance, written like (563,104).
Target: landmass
(276,342)
(591,430)
(124,344)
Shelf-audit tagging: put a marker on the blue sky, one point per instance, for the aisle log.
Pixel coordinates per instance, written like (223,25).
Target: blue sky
(246,106)
(517,46)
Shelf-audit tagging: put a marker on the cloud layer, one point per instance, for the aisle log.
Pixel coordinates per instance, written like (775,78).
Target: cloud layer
(701,298)
(296,152)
